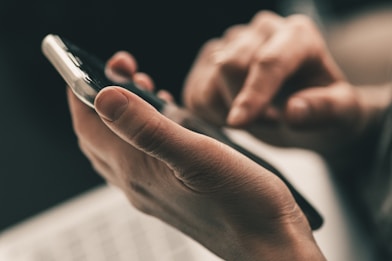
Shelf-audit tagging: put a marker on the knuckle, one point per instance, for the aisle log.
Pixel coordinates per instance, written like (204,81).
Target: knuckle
(270,60)
(301,23)
(234,63)
(149,136)
(211,46)
(303,27)
(264,15)
(265,18)
(211,52)
(220,56)
(227,61)
(234,31)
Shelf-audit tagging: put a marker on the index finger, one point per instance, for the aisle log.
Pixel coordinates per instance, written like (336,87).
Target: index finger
(274,62)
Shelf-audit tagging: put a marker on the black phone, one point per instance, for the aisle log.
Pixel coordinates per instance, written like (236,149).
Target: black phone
(85,74)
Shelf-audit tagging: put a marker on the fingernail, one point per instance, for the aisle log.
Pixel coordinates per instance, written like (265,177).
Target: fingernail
(299,110)
(237,116)
(111,104)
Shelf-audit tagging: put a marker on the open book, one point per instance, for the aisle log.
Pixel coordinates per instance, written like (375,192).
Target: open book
(102,225)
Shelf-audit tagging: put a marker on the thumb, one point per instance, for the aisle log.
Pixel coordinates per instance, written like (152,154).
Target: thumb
(202,164)
(317,107)
(143,127)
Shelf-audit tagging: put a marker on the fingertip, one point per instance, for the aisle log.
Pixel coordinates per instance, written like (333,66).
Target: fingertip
(298,111)
(121,67)
(144,81)
(165,95)
(245,108)
(123,59)
(111,103)
(238,116)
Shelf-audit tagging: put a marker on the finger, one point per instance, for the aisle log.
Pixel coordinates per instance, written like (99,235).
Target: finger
(239,46)
(235,53)
(266,22)
(241,42)
(103,148)
(121,67)
(335,106)
(275,61)
(139,124)
(165,95)
(202,92)
(196,160)
(144,81)
(235,57)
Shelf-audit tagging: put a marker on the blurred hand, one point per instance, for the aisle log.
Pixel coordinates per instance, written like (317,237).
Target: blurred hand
(276,78)
(223,200)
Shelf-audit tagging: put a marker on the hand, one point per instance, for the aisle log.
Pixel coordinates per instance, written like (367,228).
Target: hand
(276,78)
(223,200)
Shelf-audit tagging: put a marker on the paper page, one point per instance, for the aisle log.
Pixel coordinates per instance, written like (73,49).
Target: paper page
(98,225)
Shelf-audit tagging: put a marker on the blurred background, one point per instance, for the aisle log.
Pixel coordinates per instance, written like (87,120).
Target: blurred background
(40,162)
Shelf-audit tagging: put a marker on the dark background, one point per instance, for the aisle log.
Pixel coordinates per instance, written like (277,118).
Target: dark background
(40,162)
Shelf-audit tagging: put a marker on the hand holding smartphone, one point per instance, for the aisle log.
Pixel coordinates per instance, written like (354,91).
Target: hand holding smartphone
(85,74)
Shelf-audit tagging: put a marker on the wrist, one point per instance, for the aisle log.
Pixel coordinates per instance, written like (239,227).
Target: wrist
(289,239)
(292,245)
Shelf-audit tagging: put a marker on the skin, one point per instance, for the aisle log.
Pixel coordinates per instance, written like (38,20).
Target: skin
(223,200)
(275,77)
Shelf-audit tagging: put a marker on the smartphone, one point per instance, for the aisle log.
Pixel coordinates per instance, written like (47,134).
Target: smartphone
(85,75)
